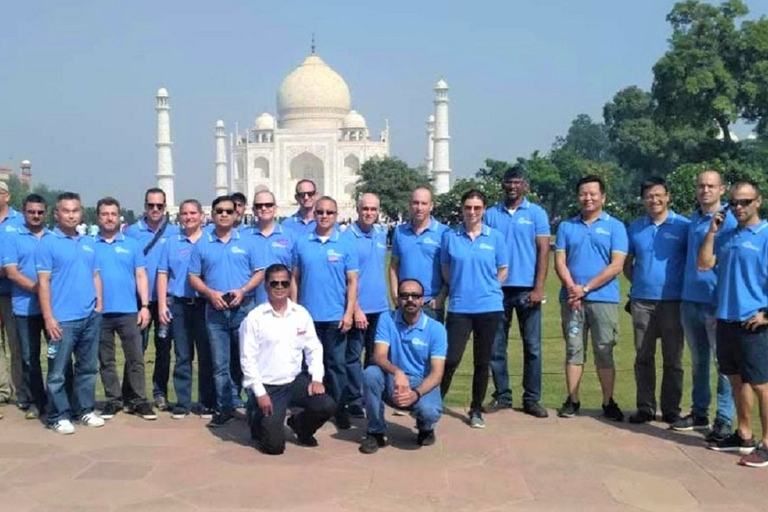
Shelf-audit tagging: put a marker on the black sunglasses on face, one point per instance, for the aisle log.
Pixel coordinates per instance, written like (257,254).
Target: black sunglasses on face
(259,206)
(741,202)
(155,206)
(306,194)
(325,212)
(406,296)
(221,211)
(279,284)
(35,212)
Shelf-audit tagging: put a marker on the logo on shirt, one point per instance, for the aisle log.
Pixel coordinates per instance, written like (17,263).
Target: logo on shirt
(417,341)
(601,231)
(486,247)
(237,250)
(524,221)
(120,250)
(87,248)
(333,255)
(184,252)
(429,241)
(671,236)
(281,242)
(749,245)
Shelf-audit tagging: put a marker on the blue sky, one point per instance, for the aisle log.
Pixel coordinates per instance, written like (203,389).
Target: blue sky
(78,79)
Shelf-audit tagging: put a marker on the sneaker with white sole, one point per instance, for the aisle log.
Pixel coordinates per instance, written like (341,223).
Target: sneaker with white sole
(476,420)
(92,420)
(64,427)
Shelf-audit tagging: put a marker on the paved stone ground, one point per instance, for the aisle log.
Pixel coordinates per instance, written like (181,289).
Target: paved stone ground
(517,463)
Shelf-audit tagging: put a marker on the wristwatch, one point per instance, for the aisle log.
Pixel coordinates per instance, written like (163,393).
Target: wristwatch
(145,306)
(585,288)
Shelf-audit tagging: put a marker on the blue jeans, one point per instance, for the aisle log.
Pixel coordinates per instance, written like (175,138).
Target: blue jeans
(223,329)
(81,339)
(190,335)
(162,370)
(529,323)
(699,326)
(30,330)
(357,340)
(334,357)
(378,391)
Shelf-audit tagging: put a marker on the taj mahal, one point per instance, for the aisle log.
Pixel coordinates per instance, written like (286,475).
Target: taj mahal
(314,135)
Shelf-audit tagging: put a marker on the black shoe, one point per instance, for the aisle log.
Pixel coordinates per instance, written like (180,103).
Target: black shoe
(342,421)
(205,413)
(569,409)
(734,443)
(425,438)
(144,410)
(110,409)
(220,419)
(641,417)
(301,438)
(720,430)
(496,405)
(355,411)
(372,442)
(690,422)
(535,409)
(612,411)
(670,418)
(161,403)
(179,413)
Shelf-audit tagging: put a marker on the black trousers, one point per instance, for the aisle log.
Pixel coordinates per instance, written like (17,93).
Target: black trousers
(133,387)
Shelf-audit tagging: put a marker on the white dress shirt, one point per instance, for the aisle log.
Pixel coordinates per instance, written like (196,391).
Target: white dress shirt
(271,346)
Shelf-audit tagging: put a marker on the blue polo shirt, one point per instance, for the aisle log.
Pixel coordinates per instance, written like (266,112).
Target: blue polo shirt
(296,225)
(371,248)
(323,280)
(700,286)
(174,261)
(10,224)
(520,230)
(142,233)
(419,255)
(72,263)
(742,272)
(118,261)
(660,253)
(225,266)
(19,249)
(411,348)
(588,249)
(474,266)
(276,248)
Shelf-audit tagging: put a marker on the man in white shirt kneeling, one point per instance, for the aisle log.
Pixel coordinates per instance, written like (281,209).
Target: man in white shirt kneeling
(273,339)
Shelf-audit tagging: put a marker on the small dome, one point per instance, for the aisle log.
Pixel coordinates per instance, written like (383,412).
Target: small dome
(162,92)
(26,163)
(219,124)
(441,84)
(353,120)
(264,122)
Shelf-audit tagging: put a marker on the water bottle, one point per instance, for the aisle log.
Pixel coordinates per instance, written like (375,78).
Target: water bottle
(162,331)
(575,322)
(53,348)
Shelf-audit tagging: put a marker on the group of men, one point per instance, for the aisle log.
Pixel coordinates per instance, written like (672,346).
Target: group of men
(297,313)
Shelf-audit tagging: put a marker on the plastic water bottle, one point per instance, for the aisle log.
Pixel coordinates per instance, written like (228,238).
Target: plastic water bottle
(575,322)
(162,331)
(53,348)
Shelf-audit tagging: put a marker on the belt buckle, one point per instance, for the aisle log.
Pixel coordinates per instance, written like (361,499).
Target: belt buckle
(190,301)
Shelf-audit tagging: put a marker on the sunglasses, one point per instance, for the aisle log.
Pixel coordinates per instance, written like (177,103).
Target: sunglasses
(35,212)
(306,194)
(155,206)
(222,211)
(325,212)
(413,296)
(259,206)
(741,202)
(473,208)
(279,284)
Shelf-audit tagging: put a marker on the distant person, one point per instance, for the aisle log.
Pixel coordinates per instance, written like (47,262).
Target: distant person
(303,221)
(590,253)
(240,202)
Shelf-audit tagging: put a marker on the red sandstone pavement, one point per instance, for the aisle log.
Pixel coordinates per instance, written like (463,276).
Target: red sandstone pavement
(517,463)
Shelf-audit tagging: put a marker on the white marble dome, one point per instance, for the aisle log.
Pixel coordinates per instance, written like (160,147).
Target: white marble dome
(353,120)
(313,95)
(265,122)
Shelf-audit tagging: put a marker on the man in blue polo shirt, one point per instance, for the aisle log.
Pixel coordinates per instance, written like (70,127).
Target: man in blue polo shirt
(416,254)
(274,240)
(303,221)
(739,257)
(655,266)
(10,219)
(123,278)
(69,290)
(370,240)
(698,315)
(325,272)
(590,253)
(18,260)
(225,268)
(525,227)
(152,231)
(408,365)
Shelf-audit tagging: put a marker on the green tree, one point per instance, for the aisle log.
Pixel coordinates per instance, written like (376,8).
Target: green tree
(393,181)
(17,190)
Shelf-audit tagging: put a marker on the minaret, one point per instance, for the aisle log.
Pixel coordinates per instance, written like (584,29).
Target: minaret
(221,159)
(164,157)
(430,144)
(441,167)
(26,173)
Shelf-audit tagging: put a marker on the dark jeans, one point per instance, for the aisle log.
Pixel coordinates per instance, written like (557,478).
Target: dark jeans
(223,327)
(436,314)
(269,432)
(529,323)
(357,340)
(162,371)
(334,352)
(32,390)
(483,327)
(132,390)
(190,335)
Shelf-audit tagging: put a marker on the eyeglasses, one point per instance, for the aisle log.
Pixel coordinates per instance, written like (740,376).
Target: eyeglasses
(222,211)
(306,194)
(279,284)
(325,212)
(155,206)
(35,212)
(741,202)
(259,206)
(473,208)
(412,296)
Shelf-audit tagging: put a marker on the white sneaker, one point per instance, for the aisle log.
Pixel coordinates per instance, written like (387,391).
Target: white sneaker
(63,427)
(92,420)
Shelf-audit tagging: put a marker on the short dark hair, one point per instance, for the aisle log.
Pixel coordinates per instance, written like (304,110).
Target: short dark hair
(238,197)
(67,196)
(194,202)
(222,199)
(653,181)
(746,181)
(154,190)
(274,269)
(305,180)
(328,198)
(410,279)
(591,178)
(107,201)
(473,193)
(34,198)
(517,171)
